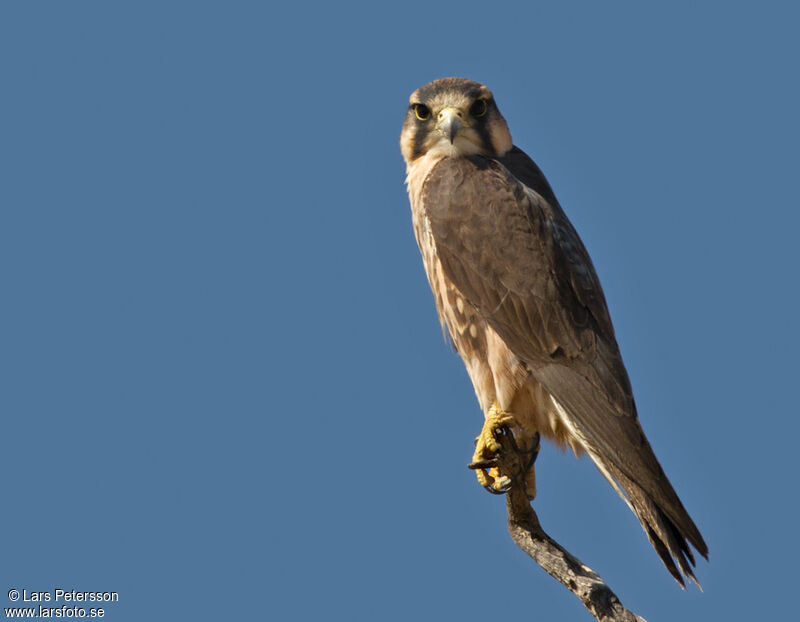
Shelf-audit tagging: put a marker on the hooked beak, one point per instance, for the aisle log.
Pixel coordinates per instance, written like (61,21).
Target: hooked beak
(449,123)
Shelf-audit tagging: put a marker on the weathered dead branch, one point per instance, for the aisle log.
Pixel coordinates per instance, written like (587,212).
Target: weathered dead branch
(585,583)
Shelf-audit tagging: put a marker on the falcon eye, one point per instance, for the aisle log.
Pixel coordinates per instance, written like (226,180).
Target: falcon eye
(422,111)
(479,108)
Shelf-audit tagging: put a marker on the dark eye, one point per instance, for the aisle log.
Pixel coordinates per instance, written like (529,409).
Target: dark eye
(479,108)
(422,111)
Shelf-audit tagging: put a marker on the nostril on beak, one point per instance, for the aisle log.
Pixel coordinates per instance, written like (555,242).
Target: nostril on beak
(450,122)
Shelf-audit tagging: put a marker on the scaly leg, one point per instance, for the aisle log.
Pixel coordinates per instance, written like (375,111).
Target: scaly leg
(497,469)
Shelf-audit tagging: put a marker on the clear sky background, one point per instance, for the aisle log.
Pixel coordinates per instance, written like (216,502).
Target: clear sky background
(225,393)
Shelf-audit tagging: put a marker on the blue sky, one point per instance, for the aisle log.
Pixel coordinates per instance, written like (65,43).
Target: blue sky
(225,391)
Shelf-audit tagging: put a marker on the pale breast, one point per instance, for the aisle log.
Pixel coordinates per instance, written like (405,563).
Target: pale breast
(497,374)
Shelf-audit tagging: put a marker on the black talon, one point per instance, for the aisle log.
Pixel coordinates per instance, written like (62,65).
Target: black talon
(534,450)
(497,491)
(482,464)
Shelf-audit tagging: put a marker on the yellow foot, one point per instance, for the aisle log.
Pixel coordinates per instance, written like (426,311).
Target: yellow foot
(498,460)
(487,446)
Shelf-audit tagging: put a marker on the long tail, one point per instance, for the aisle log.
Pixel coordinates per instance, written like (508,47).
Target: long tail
(670,529)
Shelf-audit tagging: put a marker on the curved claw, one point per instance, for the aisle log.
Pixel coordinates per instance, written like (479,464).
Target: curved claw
(498,491)
(482,464)
(493,462)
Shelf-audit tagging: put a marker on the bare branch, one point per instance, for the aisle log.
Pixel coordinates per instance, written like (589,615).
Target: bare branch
(585,583)
(527,532)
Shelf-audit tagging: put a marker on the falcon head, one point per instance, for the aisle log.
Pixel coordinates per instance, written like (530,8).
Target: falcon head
(453,117)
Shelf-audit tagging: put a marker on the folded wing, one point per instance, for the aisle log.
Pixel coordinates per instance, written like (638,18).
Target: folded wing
(508,247)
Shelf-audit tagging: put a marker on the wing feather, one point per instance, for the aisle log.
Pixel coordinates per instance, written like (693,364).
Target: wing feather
(513,254)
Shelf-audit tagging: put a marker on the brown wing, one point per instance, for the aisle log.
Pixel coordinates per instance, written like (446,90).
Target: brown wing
(517,259)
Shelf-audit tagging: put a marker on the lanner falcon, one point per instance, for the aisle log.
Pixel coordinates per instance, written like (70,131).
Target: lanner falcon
(517,293)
